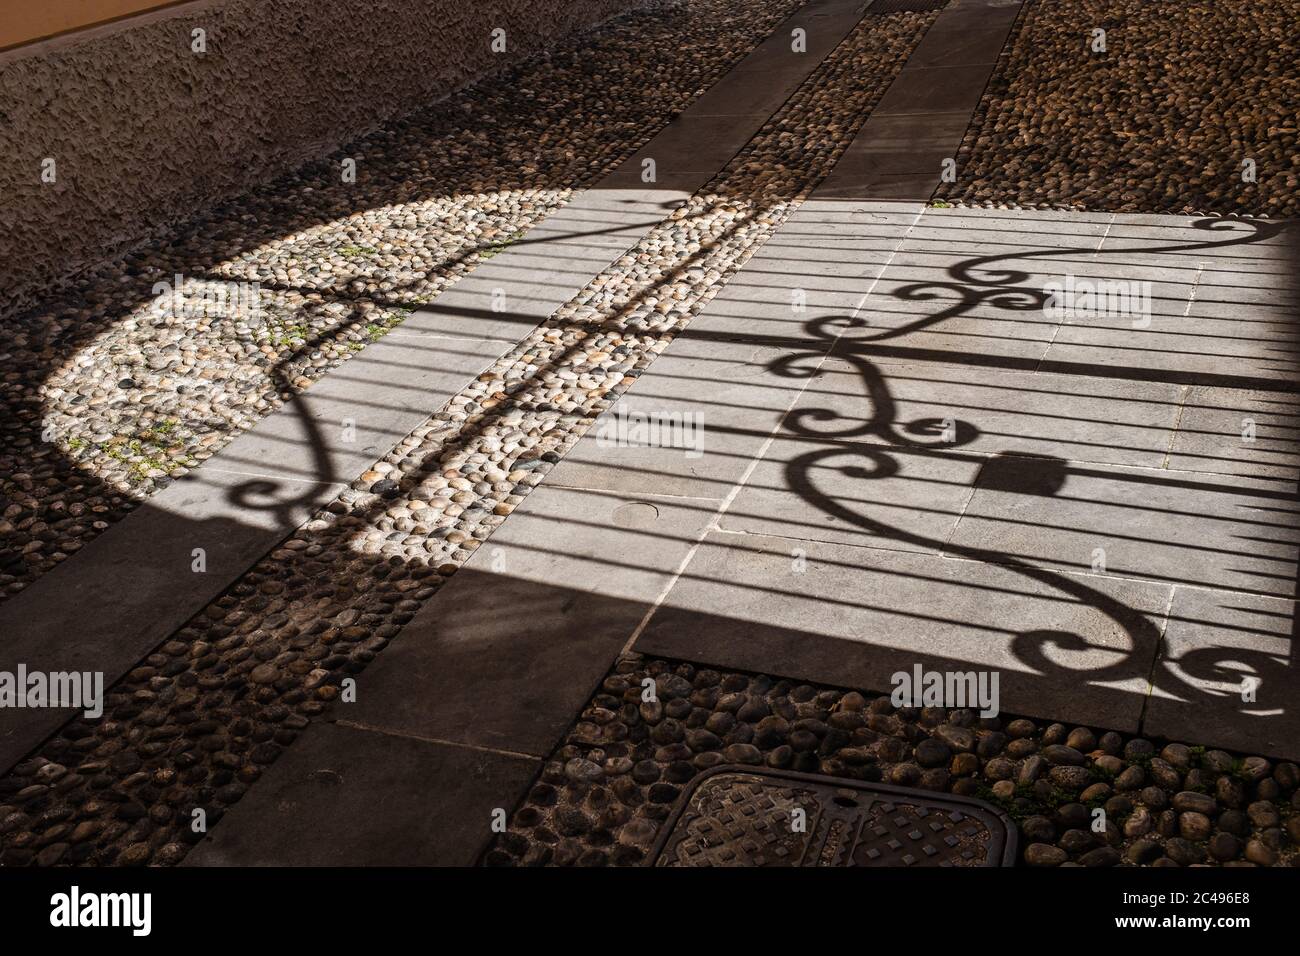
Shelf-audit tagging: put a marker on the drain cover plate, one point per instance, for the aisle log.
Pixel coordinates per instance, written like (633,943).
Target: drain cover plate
(738,816)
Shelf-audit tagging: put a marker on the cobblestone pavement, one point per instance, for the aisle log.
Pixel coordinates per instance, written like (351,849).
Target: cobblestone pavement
(197,722)
(105,396)
(605,792)
(1160,120)
(205,716)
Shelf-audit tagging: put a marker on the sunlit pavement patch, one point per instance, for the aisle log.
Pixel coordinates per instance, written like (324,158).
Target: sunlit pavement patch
(388,541)
(734,817)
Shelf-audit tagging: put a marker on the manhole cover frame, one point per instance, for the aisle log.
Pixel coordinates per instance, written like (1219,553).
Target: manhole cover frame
(1000,826)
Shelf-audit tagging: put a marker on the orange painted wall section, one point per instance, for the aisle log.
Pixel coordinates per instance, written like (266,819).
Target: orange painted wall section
(22,21)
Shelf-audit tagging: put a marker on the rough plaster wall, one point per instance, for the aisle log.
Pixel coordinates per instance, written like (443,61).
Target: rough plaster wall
(144,132)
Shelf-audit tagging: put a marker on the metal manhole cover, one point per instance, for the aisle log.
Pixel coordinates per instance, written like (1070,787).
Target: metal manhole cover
(906,6)
(737,816)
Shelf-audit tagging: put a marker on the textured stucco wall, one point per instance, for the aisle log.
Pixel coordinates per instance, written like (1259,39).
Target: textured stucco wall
(143,131)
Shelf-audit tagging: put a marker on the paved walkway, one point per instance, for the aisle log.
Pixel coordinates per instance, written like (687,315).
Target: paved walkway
(139,575)
(977,484)
(906,458)
(827,532)
(887,446)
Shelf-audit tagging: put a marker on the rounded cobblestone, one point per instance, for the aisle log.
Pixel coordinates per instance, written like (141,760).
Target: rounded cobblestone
(1155,826)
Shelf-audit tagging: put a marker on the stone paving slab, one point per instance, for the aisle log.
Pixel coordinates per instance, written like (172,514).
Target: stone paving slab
(765,317)
(854,494)
(994,263)
(965,38)
(349,419)
(691,149)
(911,290)
(820,220)
(1029,230)
(939,89)
(999,272)
(770,296)
(1067,647)
(821,258)
(1268,240)
(108,618)
(1215,639)
(920,115)
(897,147)
(1005,269)
(1215,433)
(995,412)
(905,188)
(1191,528)
(690,426)
(824,22)
(347,796)
(503,655)
(1228,252)
(865,253)
(1274,297)
(1228,258)
(1172,357)
(896,331)
(1269,300)
(1175,317)
(814,280)
(818,265)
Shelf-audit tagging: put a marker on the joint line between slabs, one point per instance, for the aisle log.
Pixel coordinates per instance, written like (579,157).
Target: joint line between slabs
(713,524)
(218,470)
(615,492)
(1156,655)
(1196,284)
(1056,329)
(965,505)
(354,725)
(1178,426)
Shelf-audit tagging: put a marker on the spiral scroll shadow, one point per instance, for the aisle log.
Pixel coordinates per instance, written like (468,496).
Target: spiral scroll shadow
(866,450)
